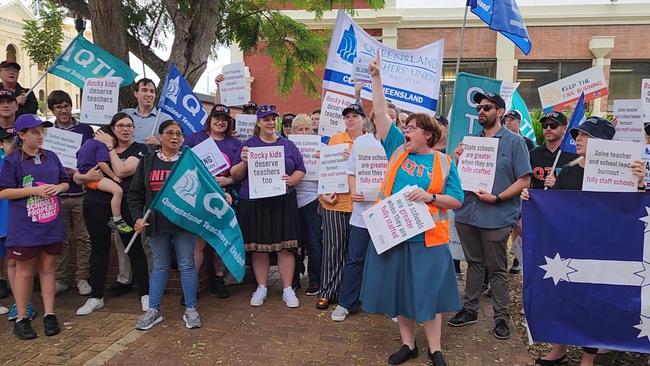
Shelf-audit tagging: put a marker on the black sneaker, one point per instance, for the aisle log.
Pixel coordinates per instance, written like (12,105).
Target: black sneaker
(51,325)
(4,289)
(312,290)
(220,288)
(501,329)
(436,358)
(463,317)
(404,354)
(119,288)
(23,330)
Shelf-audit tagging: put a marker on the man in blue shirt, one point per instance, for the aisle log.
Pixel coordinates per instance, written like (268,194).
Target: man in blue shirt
(485,220)
(146,117)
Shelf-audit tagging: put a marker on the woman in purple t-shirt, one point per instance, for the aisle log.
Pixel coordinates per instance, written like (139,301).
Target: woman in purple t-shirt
(270,225)
(219,128)
(31,179)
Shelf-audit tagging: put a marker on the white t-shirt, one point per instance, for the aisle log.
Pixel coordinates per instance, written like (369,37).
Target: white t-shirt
(306,192)
(363,141)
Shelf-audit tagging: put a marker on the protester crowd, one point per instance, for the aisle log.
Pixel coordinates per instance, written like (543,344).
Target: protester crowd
(49,213)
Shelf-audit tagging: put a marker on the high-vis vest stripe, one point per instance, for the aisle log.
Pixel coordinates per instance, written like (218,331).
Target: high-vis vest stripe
(441,164)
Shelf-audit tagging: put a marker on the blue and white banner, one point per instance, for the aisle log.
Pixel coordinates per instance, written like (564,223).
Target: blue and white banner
(178,100)
(587,268)
(411,77)
(504,17)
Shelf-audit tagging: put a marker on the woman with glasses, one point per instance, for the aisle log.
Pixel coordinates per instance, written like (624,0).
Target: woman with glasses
(270,225)
(164,236)
(124,155)
(414,280)
(219,128)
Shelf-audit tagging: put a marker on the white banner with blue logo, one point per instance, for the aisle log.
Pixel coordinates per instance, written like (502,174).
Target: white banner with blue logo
(178,100)
(411,77)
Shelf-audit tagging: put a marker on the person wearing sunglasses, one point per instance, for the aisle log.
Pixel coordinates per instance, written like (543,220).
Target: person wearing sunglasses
(554,126)
(270,225)
(485,220)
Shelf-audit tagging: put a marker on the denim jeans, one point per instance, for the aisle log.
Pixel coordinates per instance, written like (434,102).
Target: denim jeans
(353,269)
(312,236)
(161,246)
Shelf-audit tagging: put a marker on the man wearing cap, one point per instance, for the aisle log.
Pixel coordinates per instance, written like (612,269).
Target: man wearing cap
(27,103)
(146,117)
(512,121)
(77,238)
(287,123)
(485,220)
(8,109)
(554,126)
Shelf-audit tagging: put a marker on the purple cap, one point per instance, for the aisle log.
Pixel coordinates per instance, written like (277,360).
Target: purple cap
(266,110)
(26,121)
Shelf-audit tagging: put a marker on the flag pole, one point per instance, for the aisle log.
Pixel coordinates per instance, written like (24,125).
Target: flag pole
(462,39)
(557,158)
(135,236)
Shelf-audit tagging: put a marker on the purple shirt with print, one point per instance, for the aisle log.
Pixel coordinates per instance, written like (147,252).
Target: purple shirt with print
(292,160)
(33,221)
(91,153)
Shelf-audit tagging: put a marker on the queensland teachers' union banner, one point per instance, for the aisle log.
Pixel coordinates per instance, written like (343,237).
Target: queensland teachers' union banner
(411,77)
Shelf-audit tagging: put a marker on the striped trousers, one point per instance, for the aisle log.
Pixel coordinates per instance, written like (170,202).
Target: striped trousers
(336,232)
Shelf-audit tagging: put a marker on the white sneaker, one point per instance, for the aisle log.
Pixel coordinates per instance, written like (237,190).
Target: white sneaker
(84,288)
(259,296)
(91,305)
(3,310)
(60,287)
(340,313)
(289,297)
(144,300)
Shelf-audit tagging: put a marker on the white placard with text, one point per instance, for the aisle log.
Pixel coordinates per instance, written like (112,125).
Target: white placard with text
(607,166)
(265,171)
(332,176)
(64,144)
(308,145)
(478,163)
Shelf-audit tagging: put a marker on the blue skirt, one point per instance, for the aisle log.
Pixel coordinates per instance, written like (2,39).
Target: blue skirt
(410,280)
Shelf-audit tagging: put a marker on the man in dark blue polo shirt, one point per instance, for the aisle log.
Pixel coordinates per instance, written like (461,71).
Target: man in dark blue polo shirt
(485,220)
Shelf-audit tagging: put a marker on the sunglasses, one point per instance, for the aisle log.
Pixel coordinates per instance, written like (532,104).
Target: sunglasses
(552,125)
(267,108)
(485,107)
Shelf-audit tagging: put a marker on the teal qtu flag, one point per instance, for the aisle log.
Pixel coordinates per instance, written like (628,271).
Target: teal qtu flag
(82,60)
(193,200)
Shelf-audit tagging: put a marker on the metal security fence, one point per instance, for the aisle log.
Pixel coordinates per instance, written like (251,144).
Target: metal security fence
(625,80)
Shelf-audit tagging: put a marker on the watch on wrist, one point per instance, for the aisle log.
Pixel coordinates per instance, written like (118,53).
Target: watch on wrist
(498,199)
(433,198)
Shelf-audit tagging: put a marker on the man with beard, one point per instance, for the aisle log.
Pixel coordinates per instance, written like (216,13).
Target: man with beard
(485,220)
(145,115)
(554,125)
(9,71)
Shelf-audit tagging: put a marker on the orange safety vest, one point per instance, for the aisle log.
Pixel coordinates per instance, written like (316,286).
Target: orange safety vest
(441,164)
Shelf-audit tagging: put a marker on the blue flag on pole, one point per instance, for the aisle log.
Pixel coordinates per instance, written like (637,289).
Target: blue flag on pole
(587,268)
(504,17)
(178,100)
(578,116)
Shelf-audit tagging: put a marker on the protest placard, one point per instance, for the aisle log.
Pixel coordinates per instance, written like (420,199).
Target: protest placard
(234,89)
(630,120)
(645,99)
(477,164)
(607,166)
(646,161)
(332,177)
(361,70)
(64,144)
(455,245)
(308,145)
(564,92)
(507,91)
(265,171)
(331,119)
(369,169)
(396,219)
(211,156)
(244,125)
(100,100)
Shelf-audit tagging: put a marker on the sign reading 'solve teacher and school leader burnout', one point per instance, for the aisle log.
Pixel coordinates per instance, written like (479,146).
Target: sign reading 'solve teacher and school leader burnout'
(308,145)
(265,171)
(630,120)
(332,176)
(396,219)
(607,168)
(478,163)
(64,144)
(370,166)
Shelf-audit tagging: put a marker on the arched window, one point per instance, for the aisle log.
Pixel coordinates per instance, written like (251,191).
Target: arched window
(11,53)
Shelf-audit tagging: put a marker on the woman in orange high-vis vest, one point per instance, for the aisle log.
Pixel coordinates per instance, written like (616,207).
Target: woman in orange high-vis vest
(415,280)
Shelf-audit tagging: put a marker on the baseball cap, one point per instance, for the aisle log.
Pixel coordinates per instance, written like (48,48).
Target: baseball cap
(493,97)
(442,119)
(287,119)
(26,121)
(7,94)
(7,63)
(5,134)
(220,110)
(557,117)
(354,108)
(646,128)
(596,127)
(266,110)
(249,105)
(513,114)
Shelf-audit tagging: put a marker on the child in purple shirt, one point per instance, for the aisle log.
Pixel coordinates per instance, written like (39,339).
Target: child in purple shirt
(95,153)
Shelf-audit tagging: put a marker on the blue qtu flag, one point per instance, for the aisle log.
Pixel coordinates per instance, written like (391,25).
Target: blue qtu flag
(178,100)
(504,17)
(587,268)
(578,116)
